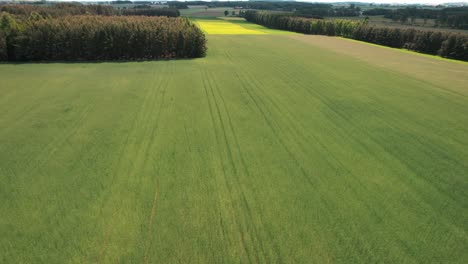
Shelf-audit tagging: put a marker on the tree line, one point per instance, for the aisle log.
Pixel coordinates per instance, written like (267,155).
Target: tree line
(178,5)
(93,37)
(397,14)
(442,43)
(328,11)
(445,44)
(67,9)
(338,27)
(59,9)
(169,12)
(454,17)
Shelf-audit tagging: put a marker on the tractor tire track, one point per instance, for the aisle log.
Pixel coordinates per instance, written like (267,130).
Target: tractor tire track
(244,168)
(133,145)
(206,86)
(149,237)
(150,224)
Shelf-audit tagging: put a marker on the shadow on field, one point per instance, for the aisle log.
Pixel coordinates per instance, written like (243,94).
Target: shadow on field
(94,61)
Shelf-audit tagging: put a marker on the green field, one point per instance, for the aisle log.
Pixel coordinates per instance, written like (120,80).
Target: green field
(203,11)
(275,148)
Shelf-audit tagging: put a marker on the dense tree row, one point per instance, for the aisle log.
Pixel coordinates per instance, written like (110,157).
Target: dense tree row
(339,27)
(455,17)
(445,44)
(442,43)
(169,12)
(75,38)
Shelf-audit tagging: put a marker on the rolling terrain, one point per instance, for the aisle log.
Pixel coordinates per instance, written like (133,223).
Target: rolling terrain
(275,148)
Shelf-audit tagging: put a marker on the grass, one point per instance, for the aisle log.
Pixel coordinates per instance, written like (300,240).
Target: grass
(201,12)
(271,149)
(411,52)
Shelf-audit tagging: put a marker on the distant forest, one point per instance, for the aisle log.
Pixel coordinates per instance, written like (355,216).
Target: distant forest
(62,9)
(298,8)
(454,17)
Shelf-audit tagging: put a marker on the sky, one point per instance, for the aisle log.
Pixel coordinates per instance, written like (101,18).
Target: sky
(386,1)
(394,1)
(383,1)
(435,2)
